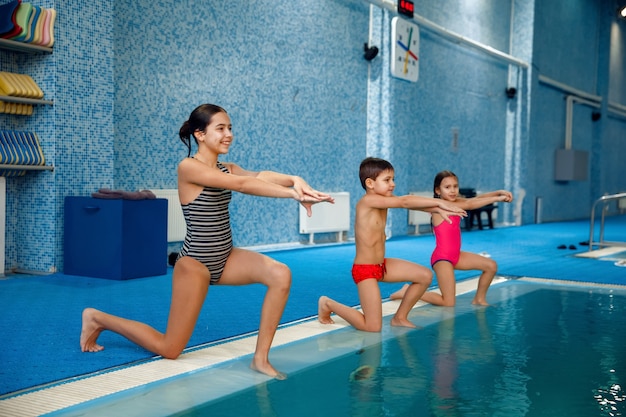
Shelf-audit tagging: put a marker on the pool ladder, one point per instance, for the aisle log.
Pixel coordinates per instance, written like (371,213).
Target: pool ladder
(604,200)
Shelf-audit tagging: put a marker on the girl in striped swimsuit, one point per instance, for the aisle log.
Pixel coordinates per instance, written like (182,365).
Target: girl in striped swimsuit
(208,256)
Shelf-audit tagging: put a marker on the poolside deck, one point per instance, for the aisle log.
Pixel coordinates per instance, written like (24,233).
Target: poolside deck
(527,251)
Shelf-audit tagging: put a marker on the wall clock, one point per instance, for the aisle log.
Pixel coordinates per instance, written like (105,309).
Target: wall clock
(405,42)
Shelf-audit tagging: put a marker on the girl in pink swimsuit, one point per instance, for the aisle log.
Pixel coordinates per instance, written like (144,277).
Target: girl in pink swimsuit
(448,256)
(448,238)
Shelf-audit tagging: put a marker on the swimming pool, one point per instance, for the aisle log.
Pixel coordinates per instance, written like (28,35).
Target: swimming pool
(541,349)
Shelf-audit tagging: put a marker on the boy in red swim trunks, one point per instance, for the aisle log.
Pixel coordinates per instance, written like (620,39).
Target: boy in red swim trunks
(370,265)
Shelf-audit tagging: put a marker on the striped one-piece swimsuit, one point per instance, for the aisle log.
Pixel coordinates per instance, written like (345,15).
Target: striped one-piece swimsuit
(209,239)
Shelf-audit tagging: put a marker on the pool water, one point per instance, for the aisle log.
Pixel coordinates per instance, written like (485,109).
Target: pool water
(539,351)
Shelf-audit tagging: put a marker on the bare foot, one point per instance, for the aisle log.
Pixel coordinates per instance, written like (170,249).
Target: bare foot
(480,302)
(323,312)
(400,293)
(90,332)
(402,323)
(268,370)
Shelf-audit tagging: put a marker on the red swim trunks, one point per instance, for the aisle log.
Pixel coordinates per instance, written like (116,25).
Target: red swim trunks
(366,271)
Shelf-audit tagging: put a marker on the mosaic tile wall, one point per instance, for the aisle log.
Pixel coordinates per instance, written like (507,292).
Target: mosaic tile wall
(124,76)
(296,96)
(31,224)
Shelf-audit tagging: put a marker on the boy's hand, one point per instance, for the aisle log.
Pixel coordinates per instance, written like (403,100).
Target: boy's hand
(452,209)
(446,210)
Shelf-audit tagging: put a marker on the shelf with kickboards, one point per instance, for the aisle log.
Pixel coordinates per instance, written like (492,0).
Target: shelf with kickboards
(20,152)
(18,94)
(24,28)
(15,46)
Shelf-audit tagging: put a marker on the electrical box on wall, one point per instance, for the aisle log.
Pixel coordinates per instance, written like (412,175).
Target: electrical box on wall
(571,165)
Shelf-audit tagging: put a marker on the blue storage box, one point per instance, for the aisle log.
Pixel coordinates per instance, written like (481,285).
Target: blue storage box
(115,239)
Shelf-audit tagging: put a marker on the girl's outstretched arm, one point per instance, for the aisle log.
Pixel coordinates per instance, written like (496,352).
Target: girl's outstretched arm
(303,189)
(485,199)
(498,193)
(265,184)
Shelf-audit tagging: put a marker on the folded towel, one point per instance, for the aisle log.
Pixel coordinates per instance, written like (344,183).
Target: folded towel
(138,195)
(107,193)
(125,195)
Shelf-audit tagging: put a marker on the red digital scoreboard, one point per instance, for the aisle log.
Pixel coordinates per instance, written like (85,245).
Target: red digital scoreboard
(406,8)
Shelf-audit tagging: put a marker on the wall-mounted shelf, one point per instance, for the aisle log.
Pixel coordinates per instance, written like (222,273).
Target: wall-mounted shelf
(23,47)
(27,167)
(24,100)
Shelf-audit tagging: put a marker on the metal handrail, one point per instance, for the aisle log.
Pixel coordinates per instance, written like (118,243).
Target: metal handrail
(604,200)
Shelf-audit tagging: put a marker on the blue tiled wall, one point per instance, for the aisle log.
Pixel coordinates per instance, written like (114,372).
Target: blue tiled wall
(124,76)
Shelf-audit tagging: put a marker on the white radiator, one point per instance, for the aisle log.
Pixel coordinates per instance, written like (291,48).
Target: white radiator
(419,218)
(327,217)
(176,226)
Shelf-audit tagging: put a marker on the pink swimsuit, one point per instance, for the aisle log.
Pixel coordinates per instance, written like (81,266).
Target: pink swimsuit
(448,238)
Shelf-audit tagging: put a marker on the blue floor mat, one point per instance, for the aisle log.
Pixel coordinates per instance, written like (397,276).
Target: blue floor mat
(39,333)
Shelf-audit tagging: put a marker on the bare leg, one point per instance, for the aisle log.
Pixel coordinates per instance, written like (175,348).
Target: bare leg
(90,331)
(420,278)
(371,318)
(411,297)
(488,267)
(447,285)
(483,286)
(271,312)
(398,295)
(190,283)
(247,267)
(324,310)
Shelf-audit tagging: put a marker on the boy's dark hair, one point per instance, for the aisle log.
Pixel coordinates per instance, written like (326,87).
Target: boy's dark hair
(440,177)
(371,168)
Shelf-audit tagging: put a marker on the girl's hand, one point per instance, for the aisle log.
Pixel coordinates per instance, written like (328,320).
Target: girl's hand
(305,191)
(505,196)
(309,196)
(308,202)
(308,206)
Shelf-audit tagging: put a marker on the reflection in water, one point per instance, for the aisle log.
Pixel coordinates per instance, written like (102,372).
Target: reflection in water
(264,402)
(443,401)
(387,376)
(458,355)
(535,353)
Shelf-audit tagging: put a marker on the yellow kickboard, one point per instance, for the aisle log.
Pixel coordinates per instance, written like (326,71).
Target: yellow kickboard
(19,85)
